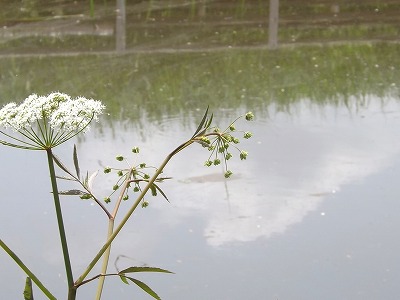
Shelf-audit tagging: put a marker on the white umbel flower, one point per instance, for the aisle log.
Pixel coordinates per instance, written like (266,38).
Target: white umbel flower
(47,121)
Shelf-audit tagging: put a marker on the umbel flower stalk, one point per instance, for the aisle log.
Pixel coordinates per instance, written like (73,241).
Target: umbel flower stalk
(42,123)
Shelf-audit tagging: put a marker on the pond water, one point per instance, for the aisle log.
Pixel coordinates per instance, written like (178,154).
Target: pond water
(311,214)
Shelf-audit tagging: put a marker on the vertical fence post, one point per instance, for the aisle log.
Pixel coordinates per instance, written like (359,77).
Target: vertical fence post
(273,24)
(120,27)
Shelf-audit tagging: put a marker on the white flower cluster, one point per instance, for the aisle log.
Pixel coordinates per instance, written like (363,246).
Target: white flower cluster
(56,111)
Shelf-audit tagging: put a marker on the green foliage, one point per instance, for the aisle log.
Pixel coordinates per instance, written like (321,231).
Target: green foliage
(142,285)
(28,293)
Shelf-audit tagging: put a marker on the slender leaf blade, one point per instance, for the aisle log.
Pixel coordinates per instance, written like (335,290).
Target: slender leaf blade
(86,180)
(123,278)
(28,293)
(201,123)
(72,193)
(153,190)
(144,269)
(144,287)
(209,122)
(161,191)
(76,162)
(65,178)
(61,165)
(91,178)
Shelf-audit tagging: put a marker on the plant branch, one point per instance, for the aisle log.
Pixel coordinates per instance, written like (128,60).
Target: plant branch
(27,271)
(131,210)
(106,259)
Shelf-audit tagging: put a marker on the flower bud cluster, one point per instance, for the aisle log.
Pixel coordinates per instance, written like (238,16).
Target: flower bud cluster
(131,178)
(220,143)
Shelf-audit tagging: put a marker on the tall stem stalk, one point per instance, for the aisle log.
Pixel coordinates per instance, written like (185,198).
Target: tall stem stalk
(60,222)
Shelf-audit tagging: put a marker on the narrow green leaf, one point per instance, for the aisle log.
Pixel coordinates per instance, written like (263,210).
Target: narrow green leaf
(124,280)
(65,178)
(202,132)
(201,123)
(153,190)
(144,287)
(161,191)
(61,165)
(143,269)
(86,181)
(72,192)
(76,163)
(209,122)
(91,178)
(28,293)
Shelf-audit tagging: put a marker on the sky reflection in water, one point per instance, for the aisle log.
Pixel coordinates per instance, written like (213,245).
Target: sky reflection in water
(313,207)
(313,212)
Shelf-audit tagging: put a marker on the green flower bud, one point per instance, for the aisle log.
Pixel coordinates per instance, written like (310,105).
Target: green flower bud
(205,139)
(136,189)
(235,140)
(208,163)
(221,149)
(135,149)
(126,197)
(115,187)
(85,196)
(145,204)
(217,162)
(107,200)
(249,116)
(243,155)
(216,129)
(142,165)
(211,148)
(119,158)
(228,155)
(228,138)
(120,173)
(146,176)
(228,174)
(107,170)
(247,135)
(232,127)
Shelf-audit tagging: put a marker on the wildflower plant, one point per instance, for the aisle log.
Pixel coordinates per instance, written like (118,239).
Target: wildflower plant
(44,122)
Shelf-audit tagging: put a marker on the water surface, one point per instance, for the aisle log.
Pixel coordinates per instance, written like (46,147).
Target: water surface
(312,213)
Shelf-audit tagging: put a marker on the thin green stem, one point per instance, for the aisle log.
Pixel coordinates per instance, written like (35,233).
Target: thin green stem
(60,222)
(27,271)
(34,146)
(106,259)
